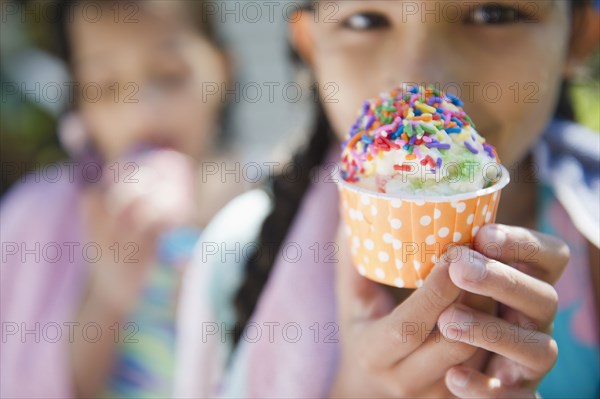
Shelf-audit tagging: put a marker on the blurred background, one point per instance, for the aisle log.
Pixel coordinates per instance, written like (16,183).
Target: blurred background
(32,72)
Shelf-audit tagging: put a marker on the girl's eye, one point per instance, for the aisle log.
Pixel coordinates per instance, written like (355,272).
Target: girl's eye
(496,14)
(170,75)
(366,21)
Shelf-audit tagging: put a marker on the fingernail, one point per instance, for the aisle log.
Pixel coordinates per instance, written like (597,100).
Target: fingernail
(441,261)
(461,317)
(474,269)
(495,234)
(460,378)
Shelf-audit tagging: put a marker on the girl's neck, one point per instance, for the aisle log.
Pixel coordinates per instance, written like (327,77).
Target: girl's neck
(519,199)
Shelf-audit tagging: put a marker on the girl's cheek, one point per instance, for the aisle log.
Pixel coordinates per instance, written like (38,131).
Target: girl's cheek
(344,83)
(194,127)
(98,130)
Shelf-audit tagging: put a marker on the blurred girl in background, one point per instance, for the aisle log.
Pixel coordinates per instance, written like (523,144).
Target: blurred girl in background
(353,344)
(127,205)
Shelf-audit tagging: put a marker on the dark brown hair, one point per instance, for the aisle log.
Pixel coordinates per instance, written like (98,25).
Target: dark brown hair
(564,107)
(194,9)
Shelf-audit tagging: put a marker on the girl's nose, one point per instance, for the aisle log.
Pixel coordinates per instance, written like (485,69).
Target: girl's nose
(417,50)
(139,118)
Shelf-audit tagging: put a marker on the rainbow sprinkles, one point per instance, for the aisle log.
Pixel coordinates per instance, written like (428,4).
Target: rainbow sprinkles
(411,128)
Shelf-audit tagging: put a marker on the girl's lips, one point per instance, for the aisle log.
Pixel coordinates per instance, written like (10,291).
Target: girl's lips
(152,144)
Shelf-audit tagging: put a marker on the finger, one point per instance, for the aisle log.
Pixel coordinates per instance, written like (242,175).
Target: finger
(477,274)
(507,371)
(479,302)
(97,212)
(469,383)
(513,316)
(439,353)
(403,330)
(535,351)
(150,220)
(543,256)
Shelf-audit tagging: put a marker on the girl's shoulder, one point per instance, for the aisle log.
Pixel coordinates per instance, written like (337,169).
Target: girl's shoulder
(208,287)
(566,138)
(239,220)
(40,197)
(568,161)
(224,246)
(568,158)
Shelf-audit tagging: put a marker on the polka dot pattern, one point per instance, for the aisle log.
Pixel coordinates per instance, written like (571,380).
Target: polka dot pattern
(396,203)
(425,220)
(396,224)
(397,242)
(383,256)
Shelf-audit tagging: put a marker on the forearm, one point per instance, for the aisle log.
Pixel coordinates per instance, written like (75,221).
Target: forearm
(93,357)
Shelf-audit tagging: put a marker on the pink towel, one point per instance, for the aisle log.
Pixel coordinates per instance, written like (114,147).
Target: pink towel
(41,281)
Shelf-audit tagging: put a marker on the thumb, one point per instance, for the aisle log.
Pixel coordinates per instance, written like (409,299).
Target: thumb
(358,297)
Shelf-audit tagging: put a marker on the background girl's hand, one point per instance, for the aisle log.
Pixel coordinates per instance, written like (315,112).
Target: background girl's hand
(388,350)
(516,267)
(125,214)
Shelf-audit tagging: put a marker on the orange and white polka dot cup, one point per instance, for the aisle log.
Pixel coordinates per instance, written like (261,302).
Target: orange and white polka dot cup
(396,240)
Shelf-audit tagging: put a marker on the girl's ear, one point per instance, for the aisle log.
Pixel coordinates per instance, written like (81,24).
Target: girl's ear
(585,37)
(301,35)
